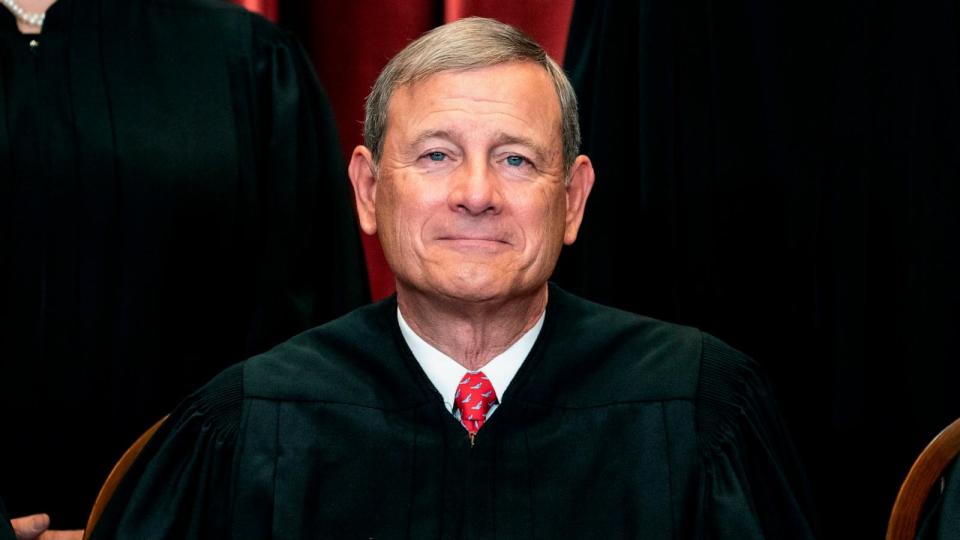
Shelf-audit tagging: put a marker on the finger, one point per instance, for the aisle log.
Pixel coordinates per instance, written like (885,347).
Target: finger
(30,527)
(62,535)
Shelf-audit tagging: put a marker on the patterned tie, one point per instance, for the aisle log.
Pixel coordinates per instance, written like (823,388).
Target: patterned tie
(473,399)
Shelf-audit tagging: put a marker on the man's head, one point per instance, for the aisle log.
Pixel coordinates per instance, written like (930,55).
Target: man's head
(470,175)
(467,44)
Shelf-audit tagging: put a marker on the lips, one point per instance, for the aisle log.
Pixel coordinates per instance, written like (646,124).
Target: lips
(465,238)
(478,242)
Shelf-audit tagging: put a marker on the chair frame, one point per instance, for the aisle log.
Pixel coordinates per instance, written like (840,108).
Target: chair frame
(116,475)
(924,473)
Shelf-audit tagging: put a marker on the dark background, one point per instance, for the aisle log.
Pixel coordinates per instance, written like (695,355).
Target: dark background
(781,174)
(786,174)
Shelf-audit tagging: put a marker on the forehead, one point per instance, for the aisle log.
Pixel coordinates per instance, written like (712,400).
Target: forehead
(511,97)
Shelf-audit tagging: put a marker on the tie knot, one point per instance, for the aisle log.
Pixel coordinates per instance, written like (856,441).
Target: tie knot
(473,399)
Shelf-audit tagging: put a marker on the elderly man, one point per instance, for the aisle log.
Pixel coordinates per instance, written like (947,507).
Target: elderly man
(480,401)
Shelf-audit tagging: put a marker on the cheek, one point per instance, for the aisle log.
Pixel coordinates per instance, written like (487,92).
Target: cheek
(402,215)
(389,212)
(552,216)
(543,220)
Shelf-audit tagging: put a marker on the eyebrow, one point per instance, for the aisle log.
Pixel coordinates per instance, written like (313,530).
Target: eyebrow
(432,134)
(501,139)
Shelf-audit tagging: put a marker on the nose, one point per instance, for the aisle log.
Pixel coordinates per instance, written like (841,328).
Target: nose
(475,190)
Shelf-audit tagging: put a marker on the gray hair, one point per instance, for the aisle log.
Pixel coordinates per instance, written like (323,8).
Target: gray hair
(469,43)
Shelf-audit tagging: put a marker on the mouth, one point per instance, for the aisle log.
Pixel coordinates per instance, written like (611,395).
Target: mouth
(484,243)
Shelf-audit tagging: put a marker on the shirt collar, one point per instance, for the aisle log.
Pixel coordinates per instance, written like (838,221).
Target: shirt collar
(445,373)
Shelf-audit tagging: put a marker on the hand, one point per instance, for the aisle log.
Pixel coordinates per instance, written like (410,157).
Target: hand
(36,527)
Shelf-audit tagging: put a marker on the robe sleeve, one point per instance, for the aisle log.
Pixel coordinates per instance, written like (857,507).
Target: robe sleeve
(309,264)
(180,486)
(751,483)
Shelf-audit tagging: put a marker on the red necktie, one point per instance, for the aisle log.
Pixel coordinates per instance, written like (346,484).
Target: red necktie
(473,399)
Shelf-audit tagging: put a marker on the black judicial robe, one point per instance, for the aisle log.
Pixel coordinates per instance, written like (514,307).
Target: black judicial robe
(616,426)
(172,201)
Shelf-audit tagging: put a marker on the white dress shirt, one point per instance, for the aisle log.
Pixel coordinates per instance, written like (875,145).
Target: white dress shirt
(445,373)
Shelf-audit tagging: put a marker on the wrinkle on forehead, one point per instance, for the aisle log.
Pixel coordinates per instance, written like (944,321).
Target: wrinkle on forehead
(473,112)
(507,106)
(479,99)
(460,85)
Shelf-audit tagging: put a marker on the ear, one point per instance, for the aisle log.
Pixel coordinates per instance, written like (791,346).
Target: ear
(363,176)
(578,189)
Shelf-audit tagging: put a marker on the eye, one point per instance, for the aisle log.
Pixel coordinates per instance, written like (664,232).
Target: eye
(436,156)
(516,161)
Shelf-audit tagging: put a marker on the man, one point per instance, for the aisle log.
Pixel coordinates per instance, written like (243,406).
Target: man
(480,401)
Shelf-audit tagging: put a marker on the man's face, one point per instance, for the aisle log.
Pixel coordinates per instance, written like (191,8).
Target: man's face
(469,201)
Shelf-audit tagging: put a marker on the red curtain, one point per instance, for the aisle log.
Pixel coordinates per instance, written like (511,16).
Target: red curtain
(350,42)
(546,21)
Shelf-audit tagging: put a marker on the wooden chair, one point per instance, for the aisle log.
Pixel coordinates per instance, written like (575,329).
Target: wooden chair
(116,475)
(926,470)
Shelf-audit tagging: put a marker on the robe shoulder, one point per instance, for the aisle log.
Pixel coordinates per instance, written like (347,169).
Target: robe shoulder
(614,355)
(750,480)
(178,485)
(359,359)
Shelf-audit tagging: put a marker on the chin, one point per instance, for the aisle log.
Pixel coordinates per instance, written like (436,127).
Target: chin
(472,287)
(465,298)
(473,293)
(491,289)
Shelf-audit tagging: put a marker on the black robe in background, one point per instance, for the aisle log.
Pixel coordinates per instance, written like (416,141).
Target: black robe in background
(172,201)
(942,519)
(615,426)
(786,173)
(6,533)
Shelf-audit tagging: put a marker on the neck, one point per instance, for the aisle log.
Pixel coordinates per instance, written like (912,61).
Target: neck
(471,333)
(36,5)
(32,6)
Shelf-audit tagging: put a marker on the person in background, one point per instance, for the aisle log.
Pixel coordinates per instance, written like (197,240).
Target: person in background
(6,531)
(34,527)
(172,200)
(480,401)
